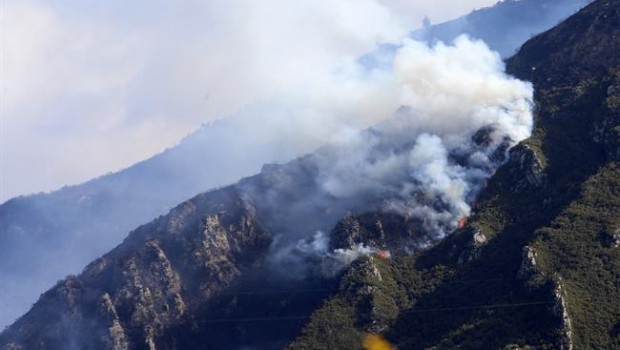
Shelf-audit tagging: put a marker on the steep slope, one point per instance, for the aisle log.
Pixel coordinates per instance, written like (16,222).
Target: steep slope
(153,285)
(148,282)
(163,272)
(44,237)
(161,287)
(178,274)
(537,265)
(39,233)
(506,25)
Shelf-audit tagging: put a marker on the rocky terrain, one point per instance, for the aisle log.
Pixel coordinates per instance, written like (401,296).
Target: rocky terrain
(537,265)
(39,233)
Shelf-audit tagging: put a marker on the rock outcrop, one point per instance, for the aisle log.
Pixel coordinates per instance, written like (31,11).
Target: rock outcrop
(528,263)
(530,166)
(560,309)
(128,298)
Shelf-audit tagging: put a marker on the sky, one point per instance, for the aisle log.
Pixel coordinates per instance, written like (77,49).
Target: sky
(87,88)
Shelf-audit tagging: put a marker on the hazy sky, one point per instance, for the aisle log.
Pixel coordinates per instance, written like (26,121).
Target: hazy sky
(92,87)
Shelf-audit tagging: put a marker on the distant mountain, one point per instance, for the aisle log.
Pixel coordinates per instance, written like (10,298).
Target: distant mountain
(44,237)
(267,233)
(506,25)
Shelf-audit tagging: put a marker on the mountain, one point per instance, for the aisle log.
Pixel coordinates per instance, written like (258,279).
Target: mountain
(535,266)
(46,236)
(262,237)
(506,25)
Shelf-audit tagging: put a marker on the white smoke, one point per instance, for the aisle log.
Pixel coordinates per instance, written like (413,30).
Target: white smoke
(115,83)
(314,257)
(459,114)
(444,119)
(448,94)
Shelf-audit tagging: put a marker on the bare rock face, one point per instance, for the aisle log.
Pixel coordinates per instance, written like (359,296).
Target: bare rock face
(560,309)
(164,270)
(116,337)
(530,166)
(528,263)
(363,285)
(479,239)
(473,248)
(380,229)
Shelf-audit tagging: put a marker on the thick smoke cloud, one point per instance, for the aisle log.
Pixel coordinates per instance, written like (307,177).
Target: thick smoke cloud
(292,106)
(115,83)
(456,116)
(458,110)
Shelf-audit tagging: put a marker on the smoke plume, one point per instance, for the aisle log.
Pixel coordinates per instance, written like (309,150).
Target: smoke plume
(417,134)
(459,114)
(454,116)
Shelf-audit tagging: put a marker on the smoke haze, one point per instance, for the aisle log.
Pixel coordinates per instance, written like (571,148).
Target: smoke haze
(107,84)
(424,105)
(449,115)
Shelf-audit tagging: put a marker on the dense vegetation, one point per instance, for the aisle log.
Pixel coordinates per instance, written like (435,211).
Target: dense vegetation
(544,235)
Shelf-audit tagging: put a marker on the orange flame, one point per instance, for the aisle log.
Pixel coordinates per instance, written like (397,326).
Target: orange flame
(384,254)
(462,223)
(376,342)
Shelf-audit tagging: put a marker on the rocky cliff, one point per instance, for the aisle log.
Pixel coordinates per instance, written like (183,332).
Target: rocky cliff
(39,231)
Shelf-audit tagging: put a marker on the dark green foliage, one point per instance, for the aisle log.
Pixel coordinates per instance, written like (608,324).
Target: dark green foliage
(579,247)
(471,295)
(333,324)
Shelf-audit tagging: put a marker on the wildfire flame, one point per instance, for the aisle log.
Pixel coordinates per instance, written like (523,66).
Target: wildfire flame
(376,342)
(384,254)
(462,223)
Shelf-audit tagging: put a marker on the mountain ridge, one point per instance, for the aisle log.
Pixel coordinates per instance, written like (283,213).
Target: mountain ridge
(536,266)
(506,25)
(39,231)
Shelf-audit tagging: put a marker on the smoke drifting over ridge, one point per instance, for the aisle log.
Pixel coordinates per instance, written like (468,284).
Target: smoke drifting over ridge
(456,116)
(443,91)
(458,110)
(443,95)
(447,89)
(442,118)
(115,83)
